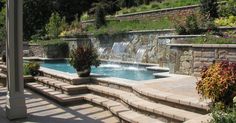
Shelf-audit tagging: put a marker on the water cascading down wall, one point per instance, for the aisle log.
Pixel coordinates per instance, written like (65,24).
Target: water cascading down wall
(143,47)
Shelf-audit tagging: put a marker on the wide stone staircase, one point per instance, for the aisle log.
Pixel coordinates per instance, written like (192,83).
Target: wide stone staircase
(129,104)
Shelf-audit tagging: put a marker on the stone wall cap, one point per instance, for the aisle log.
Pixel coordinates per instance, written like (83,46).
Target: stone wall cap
(148,31)
(204,45)
(180,36)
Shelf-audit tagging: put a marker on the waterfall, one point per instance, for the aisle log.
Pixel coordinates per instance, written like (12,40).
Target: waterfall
(139,55)
(101,50)
(119,47)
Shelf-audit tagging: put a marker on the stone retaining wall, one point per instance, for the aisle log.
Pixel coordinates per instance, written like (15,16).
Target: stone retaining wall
(155,43)
(47,52)
(156,14)
(189,59)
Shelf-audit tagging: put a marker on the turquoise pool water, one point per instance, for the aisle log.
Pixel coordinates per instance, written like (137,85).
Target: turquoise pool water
(113,70)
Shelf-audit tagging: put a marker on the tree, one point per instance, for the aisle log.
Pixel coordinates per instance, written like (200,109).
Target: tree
(100,16)
(36,15)
(3,21)
(210,8)
(53,28)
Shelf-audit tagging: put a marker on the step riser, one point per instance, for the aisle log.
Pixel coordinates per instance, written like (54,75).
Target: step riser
(57,100)
(77,81)
(74,92)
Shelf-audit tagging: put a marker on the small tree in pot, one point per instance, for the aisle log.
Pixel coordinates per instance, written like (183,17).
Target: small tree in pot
(82,58)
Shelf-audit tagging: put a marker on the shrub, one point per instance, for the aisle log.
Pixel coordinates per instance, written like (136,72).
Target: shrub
(187,23)
(55,25)
(222,115)
(218,82)
(26,70)
(83,57)
(31,68)
(228,9)
(226,21)
(210,39)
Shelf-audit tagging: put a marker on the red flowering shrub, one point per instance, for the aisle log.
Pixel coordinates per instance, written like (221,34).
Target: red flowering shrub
(218,82)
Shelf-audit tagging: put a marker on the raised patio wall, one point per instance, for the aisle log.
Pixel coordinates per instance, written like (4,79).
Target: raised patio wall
(190,58)
(48,51)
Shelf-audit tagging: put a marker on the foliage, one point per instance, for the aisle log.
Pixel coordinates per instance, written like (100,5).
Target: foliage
(226,21)
(228,9)
(2,22)
(221,115)
(210,8)
(85,17)
(4,58)
(26,70)
(83,57)
(53,28)
(208,39)
(31,68)
(100,13)
(114,27)
(76,28)
(157,5)
(36,14)
(218,82)
(187,23)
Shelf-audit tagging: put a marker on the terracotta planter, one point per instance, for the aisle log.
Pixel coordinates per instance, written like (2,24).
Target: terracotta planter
(84,73)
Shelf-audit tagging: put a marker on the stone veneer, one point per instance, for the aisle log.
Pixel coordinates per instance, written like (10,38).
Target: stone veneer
(190,58)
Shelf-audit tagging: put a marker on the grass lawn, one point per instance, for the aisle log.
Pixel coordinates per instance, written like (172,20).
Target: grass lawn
(114,27)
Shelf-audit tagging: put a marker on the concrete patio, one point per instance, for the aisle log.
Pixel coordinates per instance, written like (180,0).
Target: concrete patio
(42,110)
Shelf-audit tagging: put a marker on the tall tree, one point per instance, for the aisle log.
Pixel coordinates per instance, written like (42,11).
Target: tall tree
(209,7)
(36,15)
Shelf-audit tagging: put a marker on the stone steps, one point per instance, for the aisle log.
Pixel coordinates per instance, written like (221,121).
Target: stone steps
(55,95)
(120,110)
(117,108)
(130,99)
(62,86)
(157,109)
(179,101)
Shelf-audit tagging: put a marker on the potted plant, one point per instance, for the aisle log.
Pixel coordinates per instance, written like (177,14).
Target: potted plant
(32,68)
(83,57)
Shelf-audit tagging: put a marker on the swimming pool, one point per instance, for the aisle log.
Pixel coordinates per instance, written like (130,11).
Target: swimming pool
(132,72)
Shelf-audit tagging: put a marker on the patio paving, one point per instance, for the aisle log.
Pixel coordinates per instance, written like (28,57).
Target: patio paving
(42,110)
(177,84)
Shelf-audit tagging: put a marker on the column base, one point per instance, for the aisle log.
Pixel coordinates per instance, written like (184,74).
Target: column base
(15,107)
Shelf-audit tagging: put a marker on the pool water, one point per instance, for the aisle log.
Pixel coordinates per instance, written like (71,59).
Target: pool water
(131,72)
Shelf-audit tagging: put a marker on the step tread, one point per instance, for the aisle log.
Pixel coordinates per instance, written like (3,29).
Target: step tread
(120,110)
(170,97)
(59,84)
(157,108)
(54,94)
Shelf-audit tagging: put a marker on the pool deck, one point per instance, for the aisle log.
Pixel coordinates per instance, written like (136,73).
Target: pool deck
(177,84)
(42,110)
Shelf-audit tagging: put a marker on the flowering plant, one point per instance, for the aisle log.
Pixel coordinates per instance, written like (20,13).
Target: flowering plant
(218,82)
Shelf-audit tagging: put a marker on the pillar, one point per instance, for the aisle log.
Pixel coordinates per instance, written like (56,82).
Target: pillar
(15,106)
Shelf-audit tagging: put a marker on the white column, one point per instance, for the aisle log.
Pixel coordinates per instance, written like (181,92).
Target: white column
(15,107)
